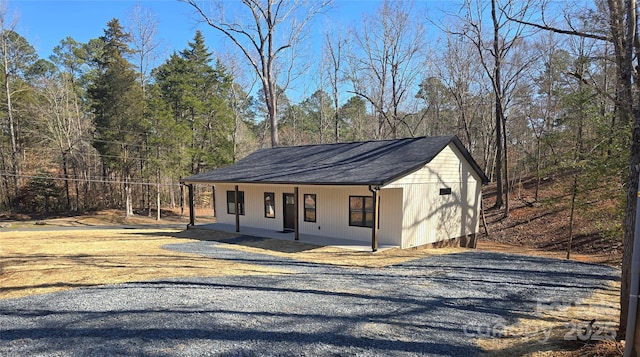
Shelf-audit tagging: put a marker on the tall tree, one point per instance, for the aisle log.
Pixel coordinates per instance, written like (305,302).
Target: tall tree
(241,103)
(17,55)
(60,124)
(67,107)
(272,31)
(494,52)
(386,66)
(142,26)
(334,54)
(199,100)
(117,106)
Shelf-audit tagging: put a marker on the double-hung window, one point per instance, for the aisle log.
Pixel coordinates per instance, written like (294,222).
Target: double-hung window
(231,202)
(269,205)
(309,207)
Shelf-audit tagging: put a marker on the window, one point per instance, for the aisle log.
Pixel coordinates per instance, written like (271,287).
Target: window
(445,191)
(309,207)
(231,202)
(269,205)
(361,211)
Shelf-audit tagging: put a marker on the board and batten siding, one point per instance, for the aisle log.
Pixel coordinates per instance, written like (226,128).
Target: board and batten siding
(428,216)
(332,210)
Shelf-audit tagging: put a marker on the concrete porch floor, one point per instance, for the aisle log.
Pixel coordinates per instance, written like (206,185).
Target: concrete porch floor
(304,238)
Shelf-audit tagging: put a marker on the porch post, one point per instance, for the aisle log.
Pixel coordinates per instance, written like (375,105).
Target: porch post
(192,214)
(297,215)
(374,228)
(213,200)
(236,195)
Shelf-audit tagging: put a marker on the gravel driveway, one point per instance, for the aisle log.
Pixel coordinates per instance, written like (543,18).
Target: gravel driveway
(431,306)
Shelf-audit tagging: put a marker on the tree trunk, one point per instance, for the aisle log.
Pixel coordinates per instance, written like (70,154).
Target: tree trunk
(128,205)
(127,193)
(65,172)
(158,194)
(628,108)
(12,129)
(537,168)
(497,89)
(574,193)
(74,170)
(506,167)
(273,120)
(629,222)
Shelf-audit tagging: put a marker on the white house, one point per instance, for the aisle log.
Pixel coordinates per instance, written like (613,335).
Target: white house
(405,192)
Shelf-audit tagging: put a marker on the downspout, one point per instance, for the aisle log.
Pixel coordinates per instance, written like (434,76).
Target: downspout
(632,317)
(374,228)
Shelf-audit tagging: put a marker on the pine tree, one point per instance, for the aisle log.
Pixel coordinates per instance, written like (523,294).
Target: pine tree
(198,96)
(117,106)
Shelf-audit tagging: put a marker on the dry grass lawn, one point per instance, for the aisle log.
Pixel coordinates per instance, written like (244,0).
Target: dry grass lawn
(41,262)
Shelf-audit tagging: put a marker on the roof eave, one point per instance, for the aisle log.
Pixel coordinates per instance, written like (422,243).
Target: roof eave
(299,183)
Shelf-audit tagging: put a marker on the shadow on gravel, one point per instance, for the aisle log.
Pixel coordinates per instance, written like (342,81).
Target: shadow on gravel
(436,305)
(238,335)
(283,246)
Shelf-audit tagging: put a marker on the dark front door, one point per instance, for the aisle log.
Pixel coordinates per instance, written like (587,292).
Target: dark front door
(289,211)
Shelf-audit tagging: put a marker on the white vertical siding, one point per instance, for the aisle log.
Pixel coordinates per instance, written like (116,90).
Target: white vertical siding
(332,210)
(429,217)
(390,231)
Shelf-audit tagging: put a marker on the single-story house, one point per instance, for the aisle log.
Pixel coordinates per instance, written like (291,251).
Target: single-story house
(405,192)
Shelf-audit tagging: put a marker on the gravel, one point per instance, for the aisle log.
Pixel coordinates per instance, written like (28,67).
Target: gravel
(434,306)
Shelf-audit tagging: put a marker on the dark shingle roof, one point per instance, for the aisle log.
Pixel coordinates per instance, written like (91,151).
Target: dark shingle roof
(355,163)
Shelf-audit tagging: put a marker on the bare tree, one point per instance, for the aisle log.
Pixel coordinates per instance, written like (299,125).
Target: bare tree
(621,19)
(240,100)
(495,51)
(456,67)
(6,33)
(387,65)
(60,124)
(264,32)
(334,57)
(142,25)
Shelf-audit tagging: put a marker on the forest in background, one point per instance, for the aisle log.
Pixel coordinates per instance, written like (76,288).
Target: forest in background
(93,126)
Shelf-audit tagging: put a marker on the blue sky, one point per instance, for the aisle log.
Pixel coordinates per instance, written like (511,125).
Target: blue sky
(44,23)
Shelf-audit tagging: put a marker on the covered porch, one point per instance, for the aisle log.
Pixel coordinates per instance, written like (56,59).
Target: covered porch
(290,236)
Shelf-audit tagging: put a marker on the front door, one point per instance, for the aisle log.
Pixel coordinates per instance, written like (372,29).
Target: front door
(289,210)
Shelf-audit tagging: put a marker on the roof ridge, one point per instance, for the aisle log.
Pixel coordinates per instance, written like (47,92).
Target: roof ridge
(363,142)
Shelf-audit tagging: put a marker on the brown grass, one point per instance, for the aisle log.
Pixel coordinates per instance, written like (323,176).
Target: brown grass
(41,262)
(561,330)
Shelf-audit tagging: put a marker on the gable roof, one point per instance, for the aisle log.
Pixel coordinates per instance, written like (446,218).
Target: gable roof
(355,163)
